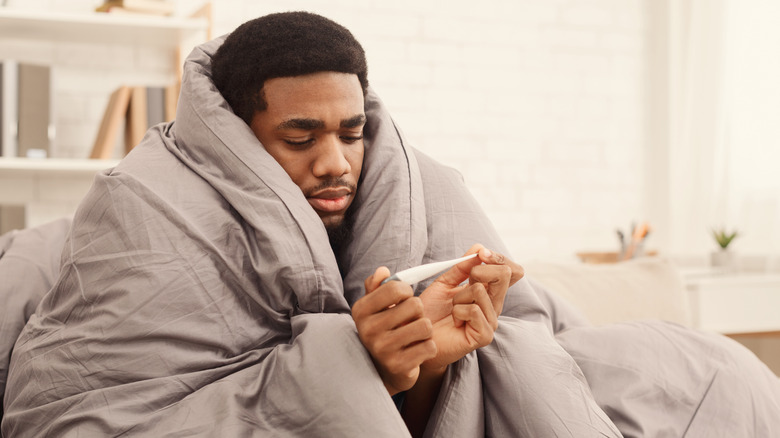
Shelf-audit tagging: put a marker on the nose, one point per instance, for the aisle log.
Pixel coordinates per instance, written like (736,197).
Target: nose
(330,160)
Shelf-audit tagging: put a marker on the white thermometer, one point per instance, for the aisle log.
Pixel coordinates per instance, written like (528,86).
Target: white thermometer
(420,273)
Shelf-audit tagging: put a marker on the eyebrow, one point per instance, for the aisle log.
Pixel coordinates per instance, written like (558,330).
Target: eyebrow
(312,124)
(354,121)
(302,124)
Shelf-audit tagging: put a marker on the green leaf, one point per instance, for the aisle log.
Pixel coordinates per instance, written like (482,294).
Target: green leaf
(723,238)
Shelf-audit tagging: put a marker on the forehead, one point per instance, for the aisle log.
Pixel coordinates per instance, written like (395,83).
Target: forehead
(319,95)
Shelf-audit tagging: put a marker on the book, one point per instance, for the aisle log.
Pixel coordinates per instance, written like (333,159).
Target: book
(138,108)
(155,106)
(156,7)
(137,118)
(26,109)
(36,115)
(114,115)
(171,100)
(9,101)
(146,109)
(11,218)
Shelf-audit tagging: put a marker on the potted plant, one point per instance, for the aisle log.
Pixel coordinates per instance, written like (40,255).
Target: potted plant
(724,258)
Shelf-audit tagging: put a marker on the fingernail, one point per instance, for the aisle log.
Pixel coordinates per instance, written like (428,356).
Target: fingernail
(487,253)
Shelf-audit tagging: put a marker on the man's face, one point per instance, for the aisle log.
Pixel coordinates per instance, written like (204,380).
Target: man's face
(313,126)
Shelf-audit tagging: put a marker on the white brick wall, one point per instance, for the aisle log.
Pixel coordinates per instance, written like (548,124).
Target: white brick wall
(539,103)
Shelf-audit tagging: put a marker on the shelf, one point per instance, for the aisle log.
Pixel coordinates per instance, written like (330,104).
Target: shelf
(25,167)
(100,28)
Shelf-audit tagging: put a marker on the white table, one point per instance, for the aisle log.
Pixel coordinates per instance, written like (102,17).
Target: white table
(735,304)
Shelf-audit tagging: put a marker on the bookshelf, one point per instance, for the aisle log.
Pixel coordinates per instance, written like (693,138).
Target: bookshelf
(24,168)
(33,191)
(36,191)
(100,28)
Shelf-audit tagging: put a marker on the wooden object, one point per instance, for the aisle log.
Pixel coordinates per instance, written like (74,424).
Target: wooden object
(115,114)
(139,108)
(606,257)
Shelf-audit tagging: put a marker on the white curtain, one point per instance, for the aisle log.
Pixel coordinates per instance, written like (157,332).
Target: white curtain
(754,122)
(724,124)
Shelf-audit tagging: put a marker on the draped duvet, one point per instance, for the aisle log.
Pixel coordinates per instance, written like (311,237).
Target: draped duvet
(199,296)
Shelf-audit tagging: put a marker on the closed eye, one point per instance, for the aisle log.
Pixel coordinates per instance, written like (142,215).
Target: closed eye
(300,143)
(351,138)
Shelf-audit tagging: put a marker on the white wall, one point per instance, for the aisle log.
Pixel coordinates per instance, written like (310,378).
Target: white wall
(539,103)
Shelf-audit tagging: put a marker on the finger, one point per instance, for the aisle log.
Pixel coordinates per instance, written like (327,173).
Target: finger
(410,358)
(387,295)
(375,279)
(493,258)
(419,352)
(406,312)
(409,334)
(390,342)
(379,331)
(376,325)
(382,298)
(481,332)
(460,272)
(404,342)
(477,294)
(496,279)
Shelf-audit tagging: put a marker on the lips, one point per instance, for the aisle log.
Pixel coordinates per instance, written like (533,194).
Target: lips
(332,200)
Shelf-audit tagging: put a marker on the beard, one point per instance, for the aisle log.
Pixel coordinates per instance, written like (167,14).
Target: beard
(339,233)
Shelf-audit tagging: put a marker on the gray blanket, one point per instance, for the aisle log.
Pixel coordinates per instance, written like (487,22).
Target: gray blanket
(199,295)
(29,263)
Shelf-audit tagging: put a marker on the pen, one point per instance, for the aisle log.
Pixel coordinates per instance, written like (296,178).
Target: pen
(638,236)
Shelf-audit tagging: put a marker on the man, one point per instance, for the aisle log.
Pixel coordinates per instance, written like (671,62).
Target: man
(308,113)
(222,280)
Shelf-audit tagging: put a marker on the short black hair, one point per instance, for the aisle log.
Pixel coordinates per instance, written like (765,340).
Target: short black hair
(282,45)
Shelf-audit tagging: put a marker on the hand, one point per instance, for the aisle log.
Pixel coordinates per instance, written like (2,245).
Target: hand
(392,326)
(465,317)
(437,298)
(497,273)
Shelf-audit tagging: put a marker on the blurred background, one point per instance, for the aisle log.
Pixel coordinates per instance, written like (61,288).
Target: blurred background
(569,119)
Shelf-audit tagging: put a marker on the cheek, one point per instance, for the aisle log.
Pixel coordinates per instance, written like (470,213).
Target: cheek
(355,159)
(298,170)
(294,164)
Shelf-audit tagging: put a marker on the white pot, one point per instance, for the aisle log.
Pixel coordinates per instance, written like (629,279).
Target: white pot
(724,260)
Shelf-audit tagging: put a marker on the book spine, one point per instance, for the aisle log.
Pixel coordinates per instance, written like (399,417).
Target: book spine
(155,101)
(137,120)
(114,115)
(35,111)
(9,103)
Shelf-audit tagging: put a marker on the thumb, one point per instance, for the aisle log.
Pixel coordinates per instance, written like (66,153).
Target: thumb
(375,279)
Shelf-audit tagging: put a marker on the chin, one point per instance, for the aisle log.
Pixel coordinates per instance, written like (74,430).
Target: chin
(333,222)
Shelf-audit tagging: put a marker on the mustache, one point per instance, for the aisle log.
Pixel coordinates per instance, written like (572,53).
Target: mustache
(335,183)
